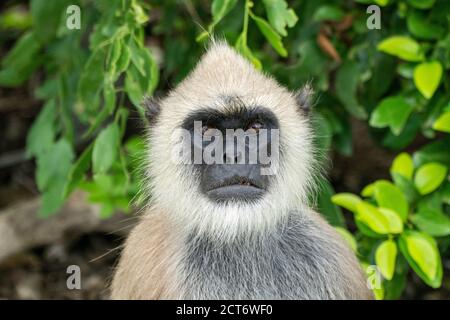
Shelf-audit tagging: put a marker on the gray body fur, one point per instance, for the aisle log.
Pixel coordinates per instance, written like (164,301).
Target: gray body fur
(298,260)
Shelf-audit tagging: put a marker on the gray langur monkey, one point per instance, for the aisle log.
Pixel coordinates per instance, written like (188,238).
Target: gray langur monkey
(226,231)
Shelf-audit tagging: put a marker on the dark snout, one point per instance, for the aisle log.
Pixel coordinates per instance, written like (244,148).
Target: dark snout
(221,182)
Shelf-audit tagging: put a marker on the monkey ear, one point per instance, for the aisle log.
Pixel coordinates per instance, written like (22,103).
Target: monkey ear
(304,98)
(152,109)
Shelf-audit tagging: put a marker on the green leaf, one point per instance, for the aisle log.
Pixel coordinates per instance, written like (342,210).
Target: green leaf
(436,151)
(121,119)
(368,190)
(46,17)
(124,59)
(365,230)
(109,190)
(432,201)
(407,187)
(42,133)
(385,257)
(379,220)
(422,254)
(220,8)
(403,165)
(109,96)
(115,51)
(52,173)
(138,57)
(382,3)
(313,62)
(20,63)
(96,123)
(152,73)
(142,78)
(270,34)
(392,112)
(421,4)
(406,136)
(138,85)
(135,87)
(433,222)
(326,207)
(379,292)
(91,80)
(395,287)
(348,238)
(346,88)
(381,69)
(373,280)
(443,122)
(372,217)
(328,13)
(242,47)
(403,47)
(420,27)
(202,36)
(66,100)
(394,222)
(280,15)
(445,193)
(106,147)
(48,163)
(15,18)
(139,14)
(406,69)
(80,167)
(114,54)
(107,209)
(429,177)
(348,201)
(427,77)
(391,197)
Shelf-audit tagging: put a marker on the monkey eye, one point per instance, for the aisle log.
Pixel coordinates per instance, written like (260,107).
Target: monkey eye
(255,126)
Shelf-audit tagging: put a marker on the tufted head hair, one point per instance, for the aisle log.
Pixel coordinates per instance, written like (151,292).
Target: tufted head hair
(222,76)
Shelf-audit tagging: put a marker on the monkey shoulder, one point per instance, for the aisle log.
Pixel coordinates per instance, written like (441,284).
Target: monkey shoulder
(147,262)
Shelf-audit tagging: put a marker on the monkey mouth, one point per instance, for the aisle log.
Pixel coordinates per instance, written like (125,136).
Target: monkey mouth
(237,181)
(236,188)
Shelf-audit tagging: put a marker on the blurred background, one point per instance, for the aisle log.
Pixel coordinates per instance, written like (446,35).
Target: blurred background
(72,77)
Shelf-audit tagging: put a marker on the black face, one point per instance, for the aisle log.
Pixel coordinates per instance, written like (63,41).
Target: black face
(238,176)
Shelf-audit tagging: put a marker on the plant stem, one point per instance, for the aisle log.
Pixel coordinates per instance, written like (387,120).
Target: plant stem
(245,26)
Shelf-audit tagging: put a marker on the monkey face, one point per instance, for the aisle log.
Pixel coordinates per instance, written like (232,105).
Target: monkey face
(245,144)
(236,147)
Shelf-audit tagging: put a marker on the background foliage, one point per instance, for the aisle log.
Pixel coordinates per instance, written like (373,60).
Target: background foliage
(394,79)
